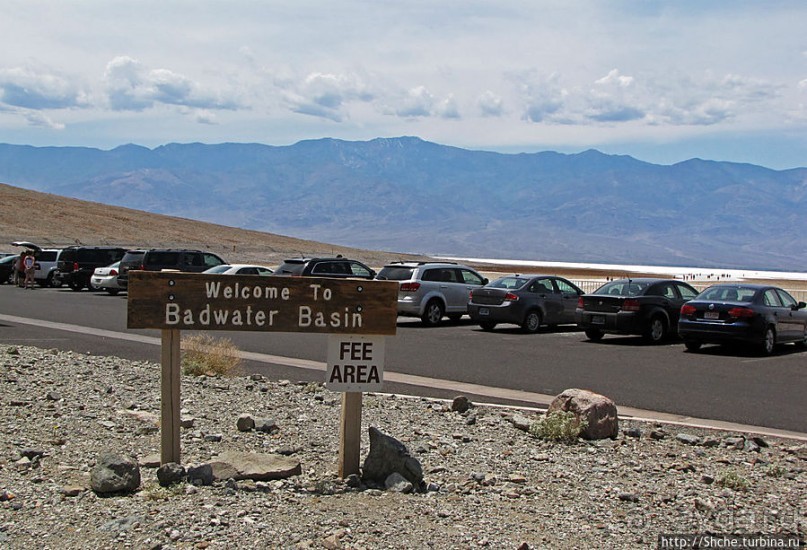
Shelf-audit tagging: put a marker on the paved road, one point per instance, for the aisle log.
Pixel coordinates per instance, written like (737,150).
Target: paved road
(727,385)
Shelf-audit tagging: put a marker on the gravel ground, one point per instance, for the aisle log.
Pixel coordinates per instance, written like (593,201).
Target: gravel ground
(490,483)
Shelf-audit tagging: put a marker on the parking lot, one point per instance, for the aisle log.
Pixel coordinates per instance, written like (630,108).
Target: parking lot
(717,383)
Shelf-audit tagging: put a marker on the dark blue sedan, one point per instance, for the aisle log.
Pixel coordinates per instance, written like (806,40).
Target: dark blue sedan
(761,315)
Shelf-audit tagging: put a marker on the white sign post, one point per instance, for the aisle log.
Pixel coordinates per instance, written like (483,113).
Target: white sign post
(355,365)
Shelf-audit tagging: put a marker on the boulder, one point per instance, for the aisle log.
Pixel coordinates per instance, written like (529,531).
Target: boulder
(115,474)
(387,456)
(599,412)
(255,466)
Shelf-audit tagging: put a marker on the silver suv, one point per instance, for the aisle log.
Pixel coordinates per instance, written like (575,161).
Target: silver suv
(431,290)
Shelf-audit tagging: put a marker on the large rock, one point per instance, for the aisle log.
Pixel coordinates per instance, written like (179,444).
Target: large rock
(387,456)
(255,466)
(115,474)
(598,411)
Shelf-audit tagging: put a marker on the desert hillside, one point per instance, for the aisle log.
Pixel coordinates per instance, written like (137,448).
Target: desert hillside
(54,221)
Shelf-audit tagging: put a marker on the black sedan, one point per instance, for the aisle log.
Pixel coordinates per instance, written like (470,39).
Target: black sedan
(645,306)
(526,300)
(761,315)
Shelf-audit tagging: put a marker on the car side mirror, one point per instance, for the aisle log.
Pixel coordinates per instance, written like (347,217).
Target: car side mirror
(800,305)
(485,281)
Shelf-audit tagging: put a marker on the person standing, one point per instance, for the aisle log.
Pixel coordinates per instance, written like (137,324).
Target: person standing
(19,273)
(30,268)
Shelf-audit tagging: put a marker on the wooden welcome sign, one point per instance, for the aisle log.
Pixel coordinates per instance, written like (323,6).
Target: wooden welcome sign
(174,301)
(195,301)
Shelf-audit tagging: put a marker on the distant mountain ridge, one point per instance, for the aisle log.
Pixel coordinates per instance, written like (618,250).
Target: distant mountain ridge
(411,195)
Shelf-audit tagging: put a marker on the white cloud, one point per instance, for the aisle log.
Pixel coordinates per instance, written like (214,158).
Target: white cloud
(130,86)
(448,108)
(31,88)
(417,103)
(490,104)
(325,95)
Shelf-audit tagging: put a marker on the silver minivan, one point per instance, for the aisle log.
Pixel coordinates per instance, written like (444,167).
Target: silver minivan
(432,290)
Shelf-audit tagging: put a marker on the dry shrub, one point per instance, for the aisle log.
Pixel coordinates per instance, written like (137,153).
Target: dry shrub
(204,355)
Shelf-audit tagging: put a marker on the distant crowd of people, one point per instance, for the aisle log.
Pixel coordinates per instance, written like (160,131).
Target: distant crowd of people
(24,269)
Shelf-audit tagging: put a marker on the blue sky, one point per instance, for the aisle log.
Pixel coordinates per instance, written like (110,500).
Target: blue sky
(661,81)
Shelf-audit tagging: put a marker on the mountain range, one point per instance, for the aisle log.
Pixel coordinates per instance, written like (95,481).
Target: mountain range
(410,195)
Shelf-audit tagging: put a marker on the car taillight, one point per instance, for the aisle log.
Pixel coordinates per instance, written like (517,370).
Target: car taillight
(510,297)
(75,266)
(410,287)
(630,305)
(741,312)
(580,303)
(687,309)
(113,272)
(142,267)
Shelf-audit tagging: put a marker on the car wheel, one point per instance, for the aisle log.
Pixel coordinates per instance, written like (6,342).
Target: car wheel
(76,285)
(657,331)
(113,291)
(769,343)
(433,313)
(594,334)
(802,344)
(692,346)
(487,325)
(532,322)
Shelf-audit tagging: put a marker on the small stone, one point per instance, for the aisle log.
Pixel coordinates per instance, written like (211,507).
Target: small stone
(688,439)
(461,404)
(245,423)
(658,435)
(635,433)
(170,473)
(629,497)
(72,491)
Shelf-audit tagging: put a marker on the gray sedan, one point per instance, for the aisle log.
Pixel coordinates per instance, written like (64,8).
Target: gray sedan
(525,300)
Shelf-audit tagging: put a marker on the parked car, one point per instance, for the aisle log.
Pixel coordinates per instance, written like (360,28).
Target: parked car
(645,306)
(431,290)
(77,263)
(132,259)
(760,315)
(7,269)
(106,278)
(338,267)
(240,269)
(46,263)
(526,300)
(166,259)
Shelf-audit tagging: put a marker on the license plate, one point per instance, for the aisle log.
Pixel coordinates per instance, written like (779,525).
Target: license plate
(484,311)
(598,319)
(711,315)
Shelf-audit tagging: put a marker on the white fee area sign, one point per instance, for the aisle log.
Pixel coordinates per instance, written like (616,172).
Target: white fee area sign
(355,363)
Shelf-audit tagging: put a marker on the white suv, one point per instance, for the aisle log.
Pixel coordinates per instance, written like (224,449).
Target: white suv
(46,260)
(431,290)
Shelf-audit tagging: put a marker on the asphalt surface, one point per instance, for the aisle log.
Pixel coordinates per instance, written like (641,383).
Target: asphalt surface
(505,366)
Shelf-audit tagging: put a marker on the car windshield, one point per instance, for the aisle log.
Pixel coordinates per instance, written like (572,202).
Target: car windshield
(728,293)
(623,288)
(509,282)
(396,273)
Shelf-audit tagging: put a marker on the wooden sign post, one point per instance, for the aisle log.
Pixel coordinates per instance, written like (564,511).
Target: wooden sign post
(173,302)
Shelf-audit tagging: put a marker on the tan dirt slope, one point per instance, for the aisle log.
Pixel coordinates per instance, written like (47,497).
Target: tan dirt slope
(54,221)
